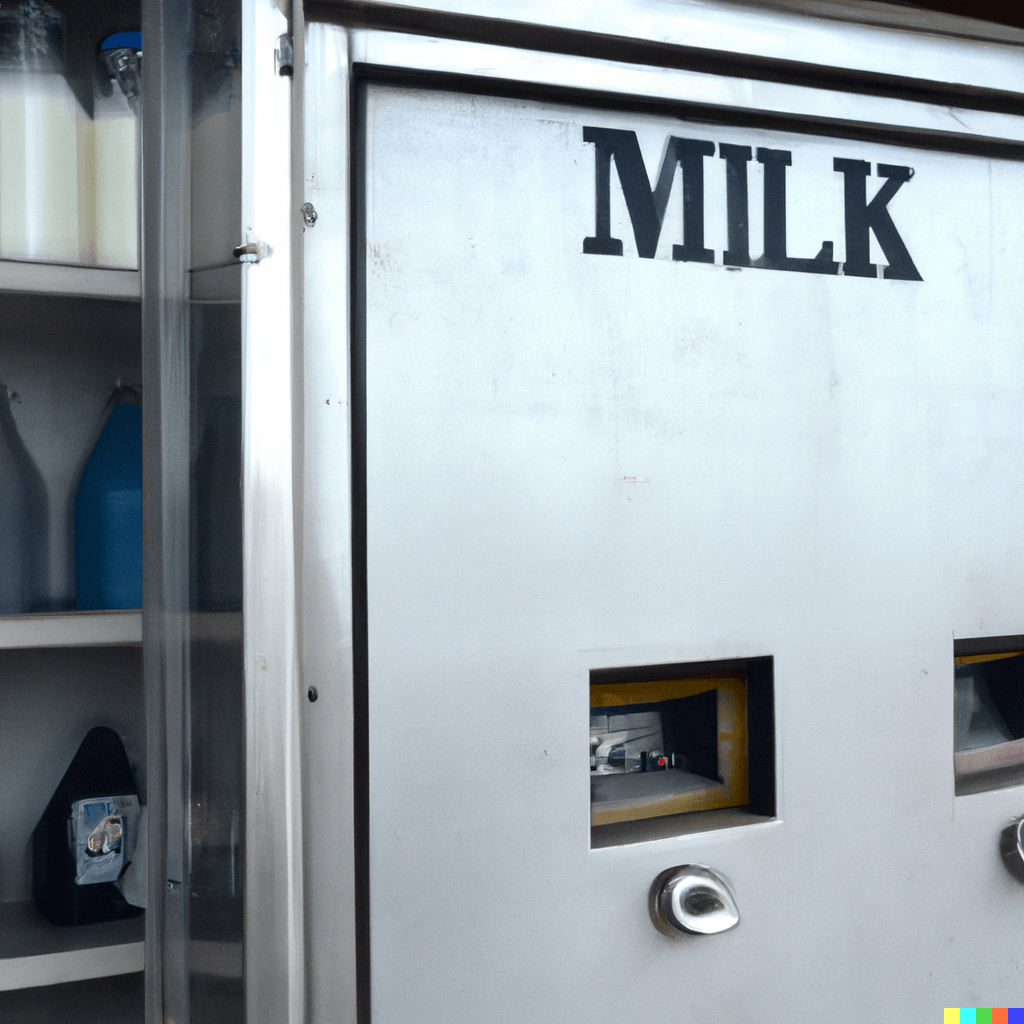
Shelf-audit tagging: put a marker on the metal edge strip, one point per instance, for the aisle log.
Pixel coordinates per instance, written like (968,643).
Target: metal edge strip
(325,513)
(725,39)
(274,946)
(361,737)
(487,68)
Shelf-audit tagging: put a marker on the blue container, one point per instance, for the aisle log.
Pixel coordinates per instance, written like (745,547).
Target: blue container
(108,516)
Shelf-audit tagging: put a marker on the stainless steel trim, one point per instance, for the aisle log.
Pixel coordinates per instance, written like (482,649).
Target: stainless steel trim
(274,936)
(935,50)
(166,373)
(325,497)
(393,50)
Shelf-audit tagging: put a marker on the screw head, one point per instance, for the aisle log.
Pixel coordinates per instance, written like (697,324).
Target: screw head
(309,214)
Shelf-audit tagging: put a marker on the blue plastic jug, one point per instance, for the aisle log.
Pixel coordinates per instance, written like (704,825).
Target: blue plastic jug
(108,516)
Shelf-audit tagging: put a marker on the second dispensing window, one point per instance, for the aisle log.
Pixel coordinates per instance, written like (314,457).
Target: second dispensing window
(988,717)
(682,743)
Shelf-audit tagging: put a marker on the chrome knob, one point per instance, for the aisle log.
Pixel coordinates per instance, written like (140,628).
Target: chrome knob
(692,899)
(1011,846)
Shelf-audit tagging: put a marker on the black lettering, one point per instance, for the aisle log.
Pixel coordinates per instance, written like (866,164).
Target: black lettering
(602,242)
(737,212)
(646,206)
(690,153)
(863,217)
(775,162)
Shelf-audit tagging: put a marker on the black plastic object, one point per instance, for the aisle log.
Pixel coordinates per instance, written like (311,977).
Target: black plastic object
(99,769)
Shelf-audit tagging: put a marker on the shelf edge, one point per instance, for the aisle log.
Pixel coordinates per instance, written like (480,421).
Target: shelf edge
(71,629)
(63,279)
(73,965)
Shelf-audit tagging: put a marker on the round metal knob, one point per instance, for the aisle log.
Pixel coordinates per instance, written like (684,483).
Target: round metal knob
(692,900)
(1011,845)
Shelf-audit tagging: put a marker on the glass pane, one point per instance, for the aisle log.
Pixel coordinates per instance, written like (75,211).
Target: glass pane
(192,330)
(217,686)
(216,699)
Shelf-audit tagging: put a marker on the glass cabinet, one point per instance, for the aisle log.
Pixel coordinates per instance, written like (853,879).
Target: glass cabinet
(121,541)
(70,347)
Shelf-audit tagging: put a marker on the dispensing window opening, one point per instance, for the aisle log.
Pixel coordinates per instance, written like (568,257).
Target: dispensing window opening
(680,748)
(988,714)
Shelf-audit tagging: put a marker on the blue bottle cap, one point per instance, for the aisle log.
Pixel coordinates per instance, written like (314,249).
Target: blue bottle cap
(119,40)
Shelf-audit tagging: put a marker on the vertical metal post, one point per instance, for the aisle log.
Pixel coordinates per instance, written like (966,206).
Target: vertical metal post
(332,884)
(166,411)
(274,940)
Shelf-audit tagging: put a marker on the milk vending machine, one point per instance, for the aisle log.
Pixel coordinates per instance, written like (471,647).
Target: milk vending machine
(458,383)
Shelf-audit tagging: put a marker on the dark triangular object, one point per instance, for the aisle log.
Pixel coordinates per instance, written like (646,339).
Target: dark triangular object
(99,769)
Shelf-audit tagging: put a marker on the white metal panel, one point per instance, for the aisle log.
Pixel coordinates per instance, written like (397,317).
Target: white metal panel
(579,461)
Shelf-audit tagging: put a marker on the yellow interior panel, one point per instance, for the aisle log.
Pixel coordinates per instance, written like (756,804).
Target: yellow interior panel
(973,659)
(732,742)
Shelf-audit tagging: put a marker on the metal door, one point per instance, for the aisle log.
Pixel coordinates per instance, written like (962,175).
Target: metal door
(571,460)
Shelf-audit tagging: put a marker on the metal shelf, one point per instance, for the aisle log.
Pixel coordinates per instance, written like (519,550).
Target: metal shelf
(72,629)
(67,279)
(34,952)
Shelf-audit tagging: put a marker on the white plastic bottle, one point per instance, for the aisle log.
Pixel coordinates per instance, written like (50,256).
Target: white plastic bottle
(39,216)
(116,153)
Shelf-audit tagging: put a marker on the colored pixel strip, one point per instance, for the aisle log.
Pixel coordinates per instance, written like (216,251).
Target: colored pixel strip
(983,1015)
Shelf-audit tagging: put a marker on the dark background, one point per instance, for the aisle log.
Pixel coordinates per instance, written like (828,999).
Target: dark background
(1005,12)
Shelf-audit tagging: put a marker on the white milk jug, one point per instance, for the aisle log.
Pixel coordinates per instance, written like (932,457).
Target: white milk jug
(39,208)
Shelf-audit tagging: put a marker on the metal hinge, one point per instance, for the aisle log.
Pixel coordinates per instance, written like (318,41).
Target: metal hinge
(284,55)
(251,252)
